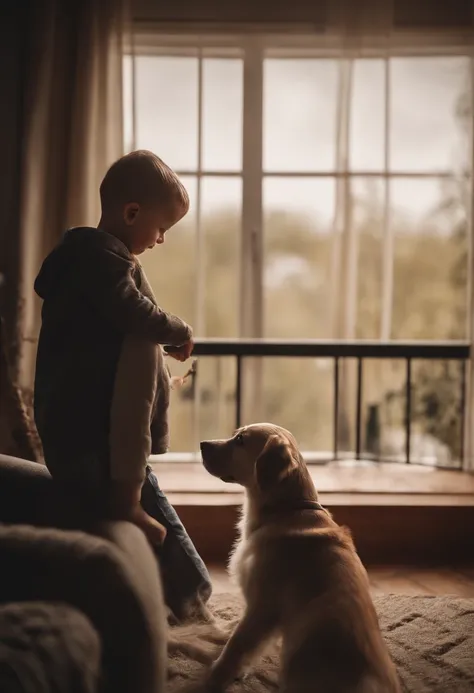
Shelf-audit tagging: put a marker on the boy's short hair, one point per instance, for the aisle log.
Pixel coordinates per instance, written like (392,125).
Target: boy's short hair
(144,178)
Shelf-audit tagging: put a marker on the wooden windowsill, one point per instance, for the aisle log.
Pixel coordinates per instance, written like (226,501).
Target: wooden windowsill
(396,513)
(333,500)
(338,483)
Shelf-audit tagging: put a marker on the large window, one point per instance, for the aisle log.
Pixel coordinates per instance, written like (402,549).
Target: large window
(330,199)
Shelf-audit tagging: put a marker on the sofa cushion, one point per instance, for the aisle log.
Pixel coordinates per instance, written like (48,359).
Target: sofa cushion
(113,581)
(47,647)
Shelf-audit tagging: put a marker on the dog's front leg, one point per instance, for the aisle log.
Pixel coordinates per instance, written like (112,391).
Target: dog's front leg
(251,633)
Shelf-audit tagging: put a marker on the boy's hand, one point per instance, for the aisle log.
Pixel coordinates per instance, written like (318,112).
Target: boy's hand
(124,504)
(154,531)
(183,352)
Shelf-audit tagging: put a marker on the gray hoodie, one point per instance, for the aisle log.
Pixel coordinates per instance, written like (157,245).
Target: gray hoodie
(101,386)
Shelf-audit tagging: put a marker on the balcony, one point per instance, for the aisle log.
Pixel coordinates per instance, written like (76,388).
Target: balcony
(406,460)
(367,426)
(411,507)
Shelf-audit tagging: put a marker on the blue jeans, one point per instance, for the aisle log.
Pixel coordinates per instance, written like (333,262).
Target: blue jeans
(186,581)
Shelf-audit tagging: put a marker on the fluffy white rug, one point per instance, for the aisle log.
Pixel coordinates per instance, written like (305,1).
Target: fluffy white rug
(431,640)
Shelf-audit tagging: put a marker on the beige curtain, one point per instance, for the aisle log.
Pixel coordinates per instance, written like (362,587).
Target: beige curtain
(469,414)
(72,131)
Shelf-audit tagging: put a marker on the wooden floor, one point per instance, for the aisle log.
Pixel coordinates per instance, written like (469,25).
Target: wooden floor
(394,580)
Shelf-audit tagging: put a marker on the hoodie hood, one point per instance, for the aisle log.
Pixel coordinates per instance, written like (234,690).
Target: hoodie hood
(76,243)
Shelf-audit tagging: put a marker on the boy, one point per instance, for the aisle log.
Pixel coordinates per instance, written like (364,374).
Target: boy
(101,386)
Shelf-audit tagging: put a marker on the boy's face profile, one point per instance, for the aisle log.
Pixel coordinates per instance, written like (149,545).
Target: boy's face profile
(147,226)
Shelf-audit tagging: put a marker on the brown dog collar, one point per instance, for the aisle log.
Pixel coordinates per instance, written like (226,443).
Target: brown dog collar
(294,507)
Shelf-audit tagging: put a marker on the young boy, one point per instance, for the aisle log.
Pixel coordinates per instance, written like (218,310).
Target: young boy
(101,385)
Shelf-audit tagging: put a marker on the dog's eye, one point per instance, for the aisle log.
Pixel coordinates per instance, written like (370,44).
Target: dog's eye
(239,439)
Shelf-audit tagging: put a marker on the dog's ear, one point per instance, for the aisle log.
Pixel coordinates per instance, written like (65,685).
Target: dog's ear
(274,462)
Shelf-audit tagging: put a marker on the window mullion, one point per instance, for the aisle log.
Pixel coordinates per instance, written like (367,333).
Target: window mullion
(251,298)
(251,257)
(345,253)
(387,252)
(200,309)
(200,318)
(345,245)
(350,230)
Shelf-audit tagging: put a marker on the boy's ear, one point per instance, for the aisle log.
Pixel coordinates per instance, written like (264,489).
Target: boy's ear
(130,212)
(274,462)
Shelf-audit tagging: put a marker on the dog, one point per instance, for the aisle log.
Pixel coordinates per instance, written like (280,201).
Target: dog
(299,573)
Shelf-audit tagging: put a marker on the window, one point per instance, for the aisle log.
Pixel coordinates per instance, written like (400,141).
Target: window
(330,199)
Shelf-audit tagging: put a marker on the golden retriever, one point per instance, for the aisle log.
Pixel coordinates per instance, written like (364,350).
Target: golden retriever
(299,573)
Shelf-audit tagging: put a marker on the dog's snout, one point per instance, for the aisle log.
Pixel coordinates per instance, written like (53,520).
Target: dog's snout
(214,458)
(206,447)
(207,454)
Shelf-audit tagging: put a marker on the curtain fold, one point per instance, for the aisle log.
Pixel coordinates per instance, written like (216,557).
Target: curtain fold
(469,413)
(71,133)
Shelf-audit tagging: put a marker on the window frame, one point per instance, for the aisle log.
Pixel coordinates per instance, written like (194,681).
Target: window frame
(149,39)
(254,49)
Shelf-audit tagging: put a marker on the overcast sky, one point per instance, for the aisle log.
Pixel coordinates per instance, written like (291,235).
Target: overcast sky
(300,126)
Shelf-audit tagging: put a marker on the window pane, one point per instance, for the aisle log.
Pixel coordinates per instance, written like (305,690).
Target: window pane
(429,122)
(222,114)
(382,427)
(367,214)
(435,435)
(205,406)
(299,123)
(298,215)
(171,271)
(167,109)
(383,431)
(221,208)
(367,111)
(298,394)
(437,413)
(429,224)
(216,381)
(171,268)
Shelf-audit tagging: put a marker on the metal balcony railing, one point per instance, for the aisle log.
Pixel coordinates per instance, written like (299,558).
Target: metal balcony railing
(337,351)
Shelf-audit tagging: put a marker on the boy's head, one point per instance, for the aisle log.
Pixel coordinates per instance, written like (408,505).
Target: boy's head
(141,198)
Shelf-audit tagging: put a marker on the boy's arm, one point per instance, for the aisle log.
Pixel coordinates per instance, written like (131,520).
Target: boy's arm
(106,280)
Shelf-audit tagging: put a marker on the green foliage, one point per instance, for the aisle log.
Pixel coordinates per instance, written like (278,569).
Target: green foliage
(438,403)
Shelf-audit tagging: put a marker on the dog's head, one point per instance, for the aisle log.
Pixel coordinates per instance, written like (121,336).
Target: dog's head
(257,457)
